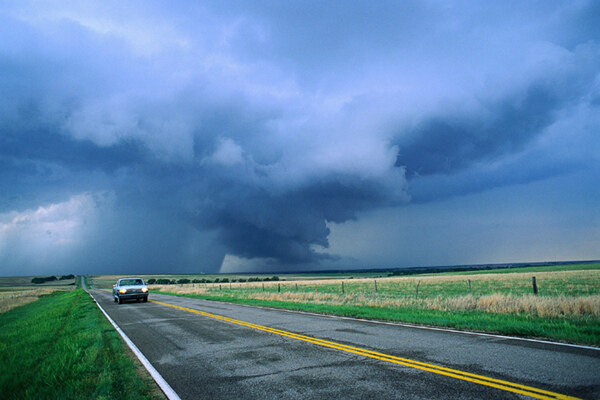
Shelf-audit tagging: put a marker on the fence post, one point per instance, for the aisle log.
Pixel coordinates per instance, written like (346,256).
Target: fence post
(296,287)
(342,287)
(376,291)
(470,291)
(263,287)
(417,295)
(278,288)
(220,287)
(535,290)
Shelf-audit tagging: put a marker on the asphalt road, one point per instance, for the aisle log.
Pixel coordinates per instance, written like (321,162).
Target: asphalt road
(202,357)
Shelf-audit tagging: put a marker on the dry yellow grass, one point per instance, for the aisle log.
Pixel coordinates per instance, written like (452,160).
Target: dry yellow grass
(17,298)
(496,303)
(564,276)
(441,293)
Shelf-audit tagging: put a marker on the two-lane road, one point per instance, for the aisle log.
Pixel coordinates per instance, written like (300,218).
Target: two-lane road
(221,351)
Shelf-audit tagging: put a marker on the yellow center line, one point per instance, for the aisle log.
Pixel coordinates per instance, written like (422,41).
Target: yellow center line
(436,369)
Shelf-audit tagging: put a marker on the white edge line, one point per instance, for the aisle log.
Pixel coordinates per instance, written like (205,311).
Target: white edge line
(431,328)
(164,386)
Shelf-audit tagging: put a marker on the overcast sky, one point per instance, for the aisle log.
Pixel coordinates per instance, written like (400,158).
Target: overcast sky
(186,136)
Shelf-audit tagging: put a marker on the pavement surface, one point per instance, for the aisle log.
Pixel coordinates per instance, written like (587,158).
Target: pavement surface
(204,357)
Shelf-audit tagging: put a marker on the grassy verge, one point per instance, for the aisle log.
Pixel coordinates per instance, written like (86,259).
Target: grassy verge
(62,347)
(582,330)
(567,308)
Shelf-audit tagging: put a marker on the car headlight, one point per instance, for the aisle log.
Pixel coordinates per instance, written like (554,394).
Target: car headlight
(122,290)
(144,289)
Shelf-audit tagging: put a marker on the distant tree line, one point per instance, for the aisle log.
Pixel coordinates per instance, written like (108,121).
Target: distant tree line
(165,281)
(434,270)
(39,280)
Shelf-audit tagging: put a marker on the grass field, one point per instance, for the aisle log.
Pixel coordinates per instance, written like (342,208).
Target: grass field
(62,347)
(19,283)
(567,307)
(16,291)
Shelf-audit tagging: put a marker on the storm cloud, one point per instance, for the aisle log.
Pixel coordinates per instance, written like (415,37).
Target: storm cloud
(153,137)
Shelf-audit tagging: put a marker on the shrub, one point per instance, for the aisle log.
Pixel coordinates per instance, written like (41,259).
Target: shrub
(151,281)
(183,281)
(43,280)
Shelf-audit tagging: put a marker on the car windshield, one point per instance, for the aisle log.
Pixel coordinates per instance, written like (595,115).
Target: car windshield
(125,282)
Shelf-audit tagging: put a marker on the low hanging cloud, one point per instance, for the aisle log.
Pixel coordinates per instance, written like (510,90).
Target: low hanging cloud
(506,122)
(232,135)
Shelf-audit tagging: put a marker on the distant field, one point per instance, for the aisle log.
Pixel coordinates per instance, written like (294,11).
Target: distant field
(568,280)
(107,281)
(539,268)
(567,306)
(18,291)
(24,282)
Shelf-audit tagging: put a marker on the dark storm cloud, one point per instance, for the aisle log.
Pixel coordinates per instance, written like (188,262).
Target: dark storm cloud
(51,147)
(260,220)
(146,137)
(456,140)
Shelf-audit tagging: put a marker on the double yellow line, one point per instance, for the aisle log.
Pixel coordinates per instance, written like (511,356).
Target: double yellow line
(436,369)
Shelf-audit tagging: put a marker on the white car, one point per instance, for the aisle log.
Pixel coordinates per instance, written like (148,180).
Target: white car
(130,289)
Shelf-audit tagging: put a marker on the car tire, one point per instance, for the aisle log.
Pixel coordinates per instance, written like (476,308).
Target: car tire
(120,300)
(145,299)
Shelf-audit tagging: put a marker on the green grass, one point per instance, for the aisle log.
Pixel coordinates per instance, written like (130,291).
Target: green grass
(62,347)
